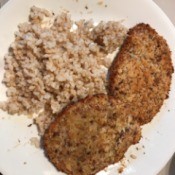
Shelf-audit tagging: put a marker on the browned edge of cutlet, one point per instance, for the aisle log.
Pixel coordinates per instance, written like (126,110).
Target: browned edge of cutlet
(119,59)
(60,166)
(129,138)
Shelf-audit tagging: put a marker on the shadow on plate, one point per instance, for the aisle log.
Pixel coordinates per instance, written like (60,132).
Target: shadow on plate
(172,166)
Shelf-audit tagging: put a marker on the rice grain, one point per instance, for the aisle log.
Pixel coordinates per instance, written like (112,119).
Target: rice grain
(54,61)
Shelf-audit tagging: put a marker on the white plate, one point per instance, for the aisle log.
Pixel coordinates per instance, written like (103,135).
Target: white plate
(157,144)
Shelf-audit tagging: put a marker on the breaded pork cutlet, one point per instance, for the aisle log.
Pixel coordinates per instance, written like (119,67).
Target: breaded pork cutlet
(89,135)
(140,75)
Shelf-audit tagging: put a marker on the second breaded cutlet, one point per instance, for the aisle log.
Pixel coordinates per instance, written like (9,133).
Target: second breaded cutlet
(89,135)
(140,75)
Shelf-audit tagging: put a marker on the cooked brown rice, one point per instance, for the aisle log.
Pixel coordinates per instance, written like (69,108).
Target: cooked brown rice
(54,61)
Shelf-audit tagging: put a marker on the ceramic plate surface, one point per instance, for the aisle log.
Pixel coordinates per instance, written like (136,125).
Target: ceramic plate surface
(19,157)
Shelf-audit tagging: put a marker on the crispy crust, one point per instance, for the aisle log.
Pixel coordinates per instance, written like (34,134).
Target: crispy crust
(140,75)
(96,131)
(89,135)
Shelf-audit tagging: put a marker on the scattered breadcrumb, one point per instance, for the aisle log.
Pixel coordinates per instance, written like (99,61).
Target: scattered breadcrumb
(120,169)
(122,165)
(100,2)
(133,156)
(35,142)
(86,7)
(29,125)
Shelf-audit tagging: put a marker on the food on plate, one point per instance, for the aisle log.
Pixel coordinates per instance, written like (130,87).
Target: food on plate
(105,38)
(56,70)
(140,74)
(89,135)
(54,61)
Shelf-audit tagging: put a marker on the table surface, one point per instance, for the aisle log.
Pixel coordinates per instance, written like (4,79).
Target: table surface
(168,7)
